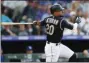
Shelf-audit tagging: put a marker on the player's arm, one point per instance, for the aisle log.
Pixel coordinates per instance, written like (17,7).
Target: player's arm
(65,24)
(41,23)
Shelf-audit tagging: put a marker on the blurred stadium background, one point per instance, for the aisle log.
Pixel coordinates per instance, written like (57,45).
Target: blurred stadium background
(25,43)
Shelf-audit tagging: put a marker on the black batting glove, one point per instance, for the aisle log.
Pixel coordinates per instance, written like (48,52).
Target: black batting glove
(78,20)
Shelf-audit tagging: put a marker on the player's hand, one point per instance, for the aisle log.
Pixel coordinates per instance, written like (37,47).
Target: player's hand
(36,22)
(78,20)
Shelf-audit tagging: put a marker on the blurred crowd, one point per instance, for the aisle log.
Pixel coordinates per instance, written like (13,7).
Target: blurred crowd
(34,10)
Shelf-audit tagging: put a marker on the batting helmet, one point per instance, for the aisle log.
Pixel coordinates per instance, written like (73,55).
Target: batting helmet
(56,8)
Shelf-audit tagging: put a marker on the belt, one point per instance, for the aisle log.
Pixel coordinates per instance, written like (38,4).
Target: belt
(54,43)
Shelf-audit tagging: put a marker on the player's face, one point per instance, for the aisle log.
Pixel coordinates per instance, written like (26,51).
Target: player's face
(58,13)
(61,12)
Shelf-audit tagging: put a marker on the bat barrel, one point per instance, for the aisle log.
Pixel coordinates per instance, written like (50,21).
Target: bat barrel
(4,23)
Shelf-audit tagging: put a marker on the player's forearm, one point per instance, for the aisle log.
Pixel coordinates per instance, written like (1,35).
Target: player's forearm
(75,25)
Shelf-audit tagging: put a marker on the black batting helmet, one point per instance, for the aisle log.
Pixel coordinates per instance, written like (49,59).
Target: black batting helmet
(56,8)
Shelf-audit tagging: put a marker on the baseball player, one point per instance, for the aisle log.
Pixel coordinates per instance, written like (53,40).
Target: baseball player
(55,25)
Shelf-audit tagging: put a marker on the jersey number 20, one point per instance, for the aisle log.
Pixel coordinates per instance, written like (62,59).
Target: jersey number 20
(49,29)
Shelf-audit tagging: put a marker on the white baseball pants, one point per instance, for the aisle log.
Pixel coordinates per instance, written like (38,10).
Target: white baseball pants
(53,52)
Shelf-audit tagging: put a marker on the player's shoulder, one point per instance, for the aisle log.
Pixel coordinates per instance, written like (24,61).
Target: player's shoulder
(62,19)
(48,17)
